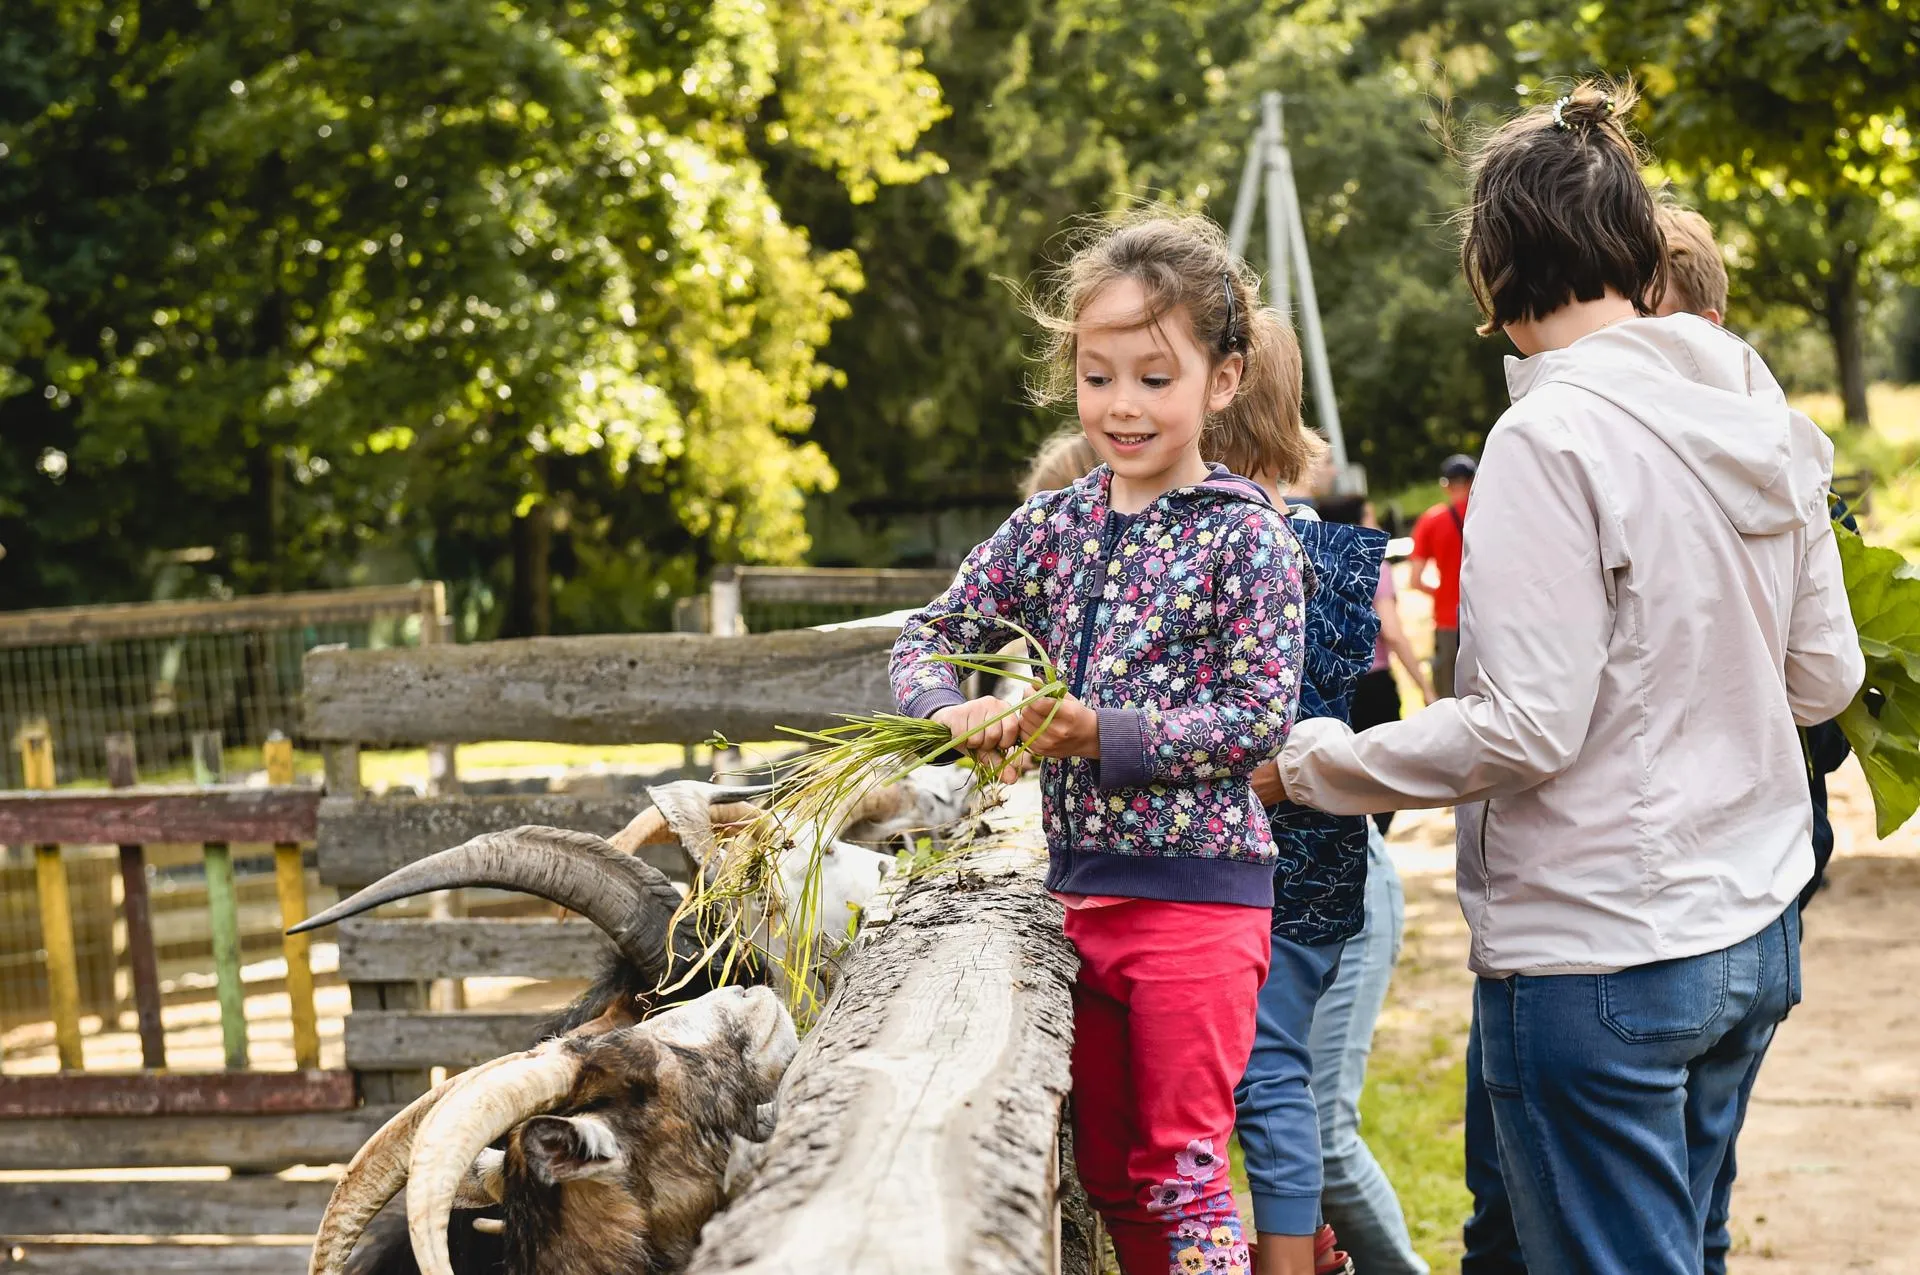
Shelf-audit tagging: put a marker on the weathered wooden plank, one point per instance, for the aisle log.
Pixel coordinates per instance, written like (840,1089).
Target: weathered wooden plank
(117,622)
(388,951)
(162,1259)
(380,1040)
(137,905)
(143,816)
(175,1094)
(361,841)
(239,1206)
(853,586)
(644,688)
(932,1089)
(269,1142)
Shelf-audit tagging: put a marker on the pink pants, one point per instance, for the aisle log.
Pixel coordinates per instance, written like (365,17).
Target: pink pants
(1163,1019)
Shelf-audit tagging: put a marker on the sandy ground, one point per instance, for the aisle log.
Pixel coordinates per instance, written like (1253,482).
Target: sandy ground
(1832,1139)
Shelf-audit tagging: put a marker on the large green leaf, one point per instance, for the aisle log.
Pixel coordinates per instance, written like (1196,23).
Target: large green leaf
(1884,591)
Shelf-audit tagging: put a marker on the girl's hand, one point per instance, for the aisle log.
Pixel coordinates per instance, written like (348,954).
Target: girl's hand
(968,722)
(1266,784)
(1073,732)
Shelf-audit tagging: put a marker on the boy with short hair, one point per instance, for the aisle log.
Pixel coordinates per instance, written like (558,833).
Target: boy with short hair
(1696,274)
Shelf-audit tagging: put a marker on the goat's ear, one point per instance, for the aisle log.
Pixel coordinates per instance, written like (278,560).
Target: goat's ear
(571,1148)
(484,1185)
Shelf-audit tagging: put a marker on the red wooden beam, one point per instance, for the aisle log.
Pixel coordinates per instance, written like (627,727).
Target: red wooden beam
(148,816)
(237,1093)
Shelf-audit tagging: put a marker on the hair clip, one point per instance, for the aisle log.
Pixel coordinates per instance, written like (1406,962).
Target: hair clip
(1230,339)
(1559,121)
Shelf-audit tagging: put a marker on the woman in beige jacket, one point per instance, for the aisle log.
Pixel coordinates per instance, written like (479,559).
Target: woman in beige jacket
(1651,599)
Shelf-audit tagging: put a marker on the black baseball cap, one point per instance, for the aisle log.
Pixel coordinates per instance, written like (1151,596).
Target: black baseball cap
(1458,466)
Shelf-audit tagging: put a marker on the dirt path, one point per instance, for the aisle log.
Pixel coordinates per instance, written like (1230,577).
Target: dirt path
(1832,1138)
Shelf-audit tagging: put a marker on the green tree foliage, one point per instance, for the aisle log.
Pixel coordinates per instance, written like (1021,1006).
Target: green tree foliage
(1061,110)
(474,285)
(1794,124)
(1884,590)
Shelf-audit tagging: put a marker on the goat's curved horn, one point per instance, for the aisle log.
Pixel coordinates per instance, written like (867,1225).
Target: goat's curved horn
(454,1133)
(628,898)
(375,1175)
(690,809)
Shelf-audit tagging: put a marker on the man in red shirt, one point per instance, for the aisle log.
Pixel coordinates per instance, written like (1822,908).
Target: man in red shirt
(1437,538)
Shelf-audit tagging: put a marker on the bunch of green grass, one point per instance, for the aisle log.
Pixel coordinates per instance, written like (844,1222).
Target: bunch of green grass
(741,905)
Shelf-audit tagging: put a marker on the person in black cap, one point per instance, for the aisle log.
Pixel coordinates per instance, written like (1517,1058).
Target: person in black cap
(1438,535)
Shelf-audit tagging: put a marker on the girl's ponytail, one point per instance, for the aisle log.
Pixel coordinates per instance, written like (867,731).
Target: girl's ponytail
(1261,431)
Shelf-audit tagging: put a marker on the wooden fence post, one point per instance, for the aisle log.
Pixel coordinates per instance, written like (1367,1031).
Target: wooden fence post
(123,772)
(343,780)
(223,911)
(290,875)
(56,913)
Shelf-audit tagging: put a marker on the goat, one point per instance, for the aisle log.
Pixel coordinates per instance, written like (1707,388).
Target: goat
(615,1145)
(634,903)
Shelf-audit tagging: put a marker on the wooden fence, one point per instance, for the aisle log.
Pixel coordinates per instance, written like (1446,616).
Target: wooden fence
(935,1080)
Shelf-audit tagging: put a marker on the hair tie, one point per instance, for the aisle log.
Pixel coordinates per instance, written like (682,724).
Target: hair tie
(1231,339)
(1559,121)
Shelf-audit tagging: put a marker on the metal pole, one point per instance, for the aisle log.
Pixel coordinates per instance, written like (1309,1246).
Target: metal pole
(1274,153)
(1248,198)
(1324,405)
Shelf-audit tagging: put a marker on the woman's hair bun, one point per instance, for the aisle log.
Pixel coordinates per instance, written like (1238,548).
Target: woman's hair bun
(1591,106)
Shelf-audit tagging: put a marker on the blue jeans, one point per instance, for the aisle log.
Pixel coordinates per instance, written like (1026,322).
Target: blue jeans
(1356,1197)
(1491,1246)
(1274,1109)
(1617,1099)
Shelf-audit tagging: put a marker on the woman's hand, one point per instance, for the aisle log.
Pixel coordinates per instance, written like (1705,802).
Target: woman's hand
(1073,732)
(974,728)
(1266,784)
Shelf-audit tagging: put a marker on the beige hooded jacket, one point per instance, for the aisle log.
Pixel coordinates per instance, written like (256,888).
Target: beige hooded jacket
(1651,598)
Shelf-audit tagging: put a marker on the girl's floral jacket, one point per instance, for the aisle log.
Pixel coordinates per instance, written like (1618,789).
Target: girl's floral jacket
(1182,626)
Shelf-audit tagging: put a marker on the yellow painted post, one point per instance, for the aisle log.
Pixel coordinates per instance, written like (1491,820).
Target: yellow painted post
(290,874)
(56,913)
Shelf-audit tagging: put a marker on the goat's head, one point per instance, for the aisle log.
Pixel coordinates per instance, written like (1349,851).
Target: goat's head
(615,1146)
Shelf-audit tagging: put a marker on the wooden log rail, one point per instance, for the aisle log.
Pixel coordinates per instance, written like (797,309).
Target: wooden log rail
(132,817)
(919,1128)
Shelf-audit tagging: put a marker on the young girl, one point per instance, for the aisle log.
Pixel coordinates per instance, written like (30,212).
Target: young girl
(1170,594)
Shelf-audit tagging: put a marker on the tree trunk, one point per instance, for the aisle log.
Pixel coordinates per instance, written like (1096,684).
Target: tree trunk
(1846,313)
(1846,328)
(263,534)
(530,613)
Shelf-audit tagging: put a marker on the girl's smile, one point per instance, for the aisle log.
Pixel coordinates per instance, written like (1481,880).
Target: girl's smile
(1144,391)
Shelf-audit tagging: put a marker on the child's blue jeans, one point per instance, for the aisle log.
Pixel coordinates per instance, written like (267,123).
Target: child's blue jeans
(1273,1105)
(1617,1099)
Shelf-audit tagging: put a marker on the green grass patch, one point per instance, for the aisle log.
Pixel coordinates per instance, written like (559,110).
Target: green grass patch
(1412,1115)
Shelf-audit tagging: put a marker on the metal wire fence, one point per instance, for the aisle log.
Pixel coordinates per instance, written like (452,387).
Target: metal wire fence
(164,671)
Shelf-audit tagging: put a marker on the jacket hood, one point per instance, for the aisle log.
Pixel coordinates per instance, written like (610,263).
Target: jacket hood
(1705,394)
(1220,483)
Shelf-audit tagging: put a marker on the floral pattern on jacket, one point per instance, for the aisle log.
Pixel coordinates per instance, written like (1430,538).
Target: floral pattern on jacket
(1181,625)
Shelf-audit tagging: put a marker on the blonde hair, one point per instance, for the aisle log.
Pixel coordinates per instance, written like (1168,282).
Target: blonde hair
(1061,461)
(1183,263)
(1696,273)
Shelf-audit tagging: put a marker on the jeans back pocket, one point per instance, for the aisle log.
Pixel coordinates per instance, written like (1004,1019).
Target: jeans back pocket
(1667,1000)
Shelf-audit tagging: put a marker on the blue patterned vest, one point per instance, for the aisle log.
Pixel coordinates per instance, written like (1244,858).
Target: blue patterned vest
(1320,883)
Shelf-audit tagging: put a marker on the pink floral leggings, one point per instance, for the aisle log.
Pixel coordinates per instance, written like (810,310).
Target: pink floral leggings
(1163,1017)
